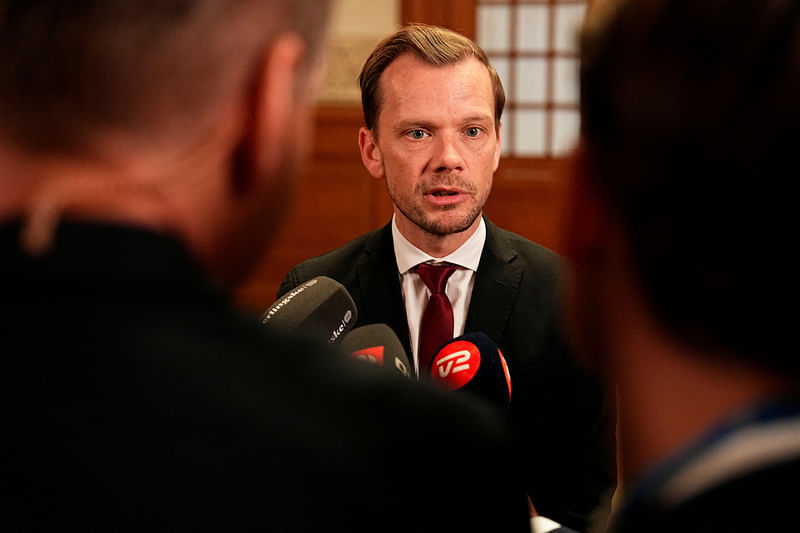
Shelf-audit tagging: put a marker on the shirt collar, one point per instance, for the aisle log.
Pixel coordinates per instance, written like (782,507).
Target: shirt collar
(468,255)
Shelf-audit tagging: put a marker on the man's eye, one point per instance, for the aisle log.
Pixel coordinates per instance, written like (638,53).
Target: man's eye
(473,132)
(416,134)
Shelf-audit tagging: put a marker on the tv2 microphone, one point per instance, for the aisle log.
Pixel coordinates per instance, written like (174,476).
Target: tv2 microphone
(473,363)
(377,344)
(321,309)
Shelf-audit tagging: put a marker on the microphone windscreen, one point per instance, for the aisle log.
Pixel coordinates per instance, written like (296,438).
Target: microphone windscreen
(377,344)
(320,309)
(473,363)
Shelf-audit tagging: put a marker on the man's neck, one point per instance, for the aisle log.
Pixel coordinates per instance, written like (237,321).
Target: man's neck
(41,190)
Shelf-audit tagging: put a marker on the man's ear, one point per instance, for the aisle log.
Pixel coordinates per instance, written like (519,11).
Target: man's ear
(370,153)
(274,115)
(586,216)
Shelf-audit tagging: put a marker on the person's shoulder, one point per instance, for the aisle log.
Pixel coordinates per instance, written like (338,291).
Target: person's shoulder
(293,422)
(366,427)
(337,264)
(319,370)
(368,399)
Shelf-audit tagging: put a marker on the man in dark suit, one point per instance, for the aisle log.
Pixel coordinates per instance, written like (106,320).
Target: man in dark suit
(432,106)
(145,151)
(682,237)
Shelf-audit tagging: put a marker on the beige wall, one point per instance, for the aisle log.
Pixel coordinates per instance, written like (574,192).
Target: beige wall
(357,26)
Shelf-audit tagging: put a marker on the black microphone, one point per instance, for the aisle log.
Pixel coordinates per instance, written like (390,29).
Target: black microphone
(474,364)
(377,344)
(320,309)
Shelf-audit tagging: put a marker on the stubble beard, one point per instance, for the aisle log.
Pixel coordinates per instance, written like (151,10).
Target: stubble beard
(447,225)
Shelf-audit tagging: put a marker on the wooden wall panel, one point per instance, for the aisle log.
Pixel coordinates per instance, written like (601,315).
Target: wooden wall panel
(528,198)
(337,200)
(458,15)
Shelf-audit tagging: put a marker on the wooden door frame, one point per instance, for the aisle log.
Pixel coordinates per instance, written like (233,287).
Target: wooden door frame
(458,15)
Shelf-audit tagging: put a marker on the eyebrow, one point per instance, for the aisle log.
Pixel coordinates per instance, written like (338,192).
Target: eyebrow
(404,125)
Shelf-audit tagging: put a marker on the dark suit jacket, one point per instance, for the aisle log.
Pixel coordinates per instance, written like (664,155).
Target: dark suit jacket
(136,399)
(563,432)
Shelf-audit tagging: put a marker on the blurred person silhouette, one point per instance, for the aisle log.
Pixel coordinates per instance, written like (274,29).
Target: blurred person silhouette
(146,149)
(683,282)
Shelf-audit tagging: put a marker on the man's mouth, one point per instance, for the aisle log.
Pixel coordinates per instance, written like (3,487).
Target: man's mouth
(443,197)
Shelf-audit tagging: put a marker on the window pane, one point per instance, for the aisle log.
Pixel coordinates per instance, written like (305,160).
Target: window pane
(565,82)
(566,129)
(531,81)
(568,22)
(533,45)
(494,28)
(532,28)
(529,133)
(503,66)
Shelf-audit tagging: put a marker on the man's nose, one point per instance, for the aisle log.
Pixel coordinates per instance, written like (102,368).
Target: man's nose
(448,154)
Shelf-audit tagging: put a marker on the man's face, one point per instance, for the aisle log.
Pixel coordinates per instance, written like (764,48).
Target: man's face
(436,143)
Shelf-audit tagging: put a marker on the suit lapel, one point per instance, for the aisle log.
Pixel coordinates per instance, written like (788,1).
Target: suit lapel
(378,282)
(496,284)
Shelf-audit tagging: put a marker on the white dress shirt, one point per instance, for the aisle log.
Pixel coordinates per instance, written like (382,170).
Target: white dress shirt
(459,285)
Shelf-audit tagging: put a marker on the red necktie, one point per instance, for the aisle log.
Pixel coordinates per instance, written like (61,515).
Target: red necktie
(436,326)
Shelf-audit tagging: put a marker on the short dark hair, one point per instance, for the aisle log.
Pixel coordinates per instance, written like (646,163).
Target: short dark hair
(432,44)
(73,70)
(690,116)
